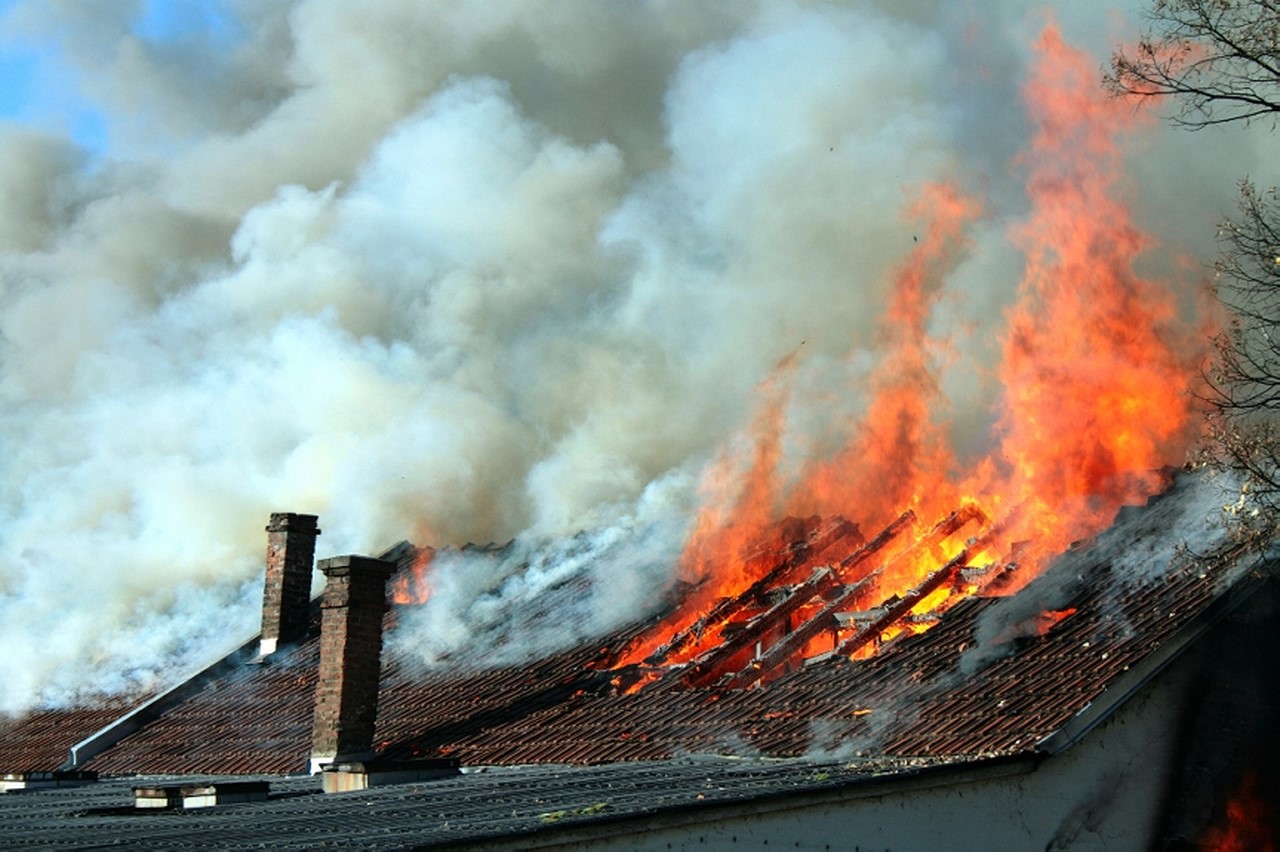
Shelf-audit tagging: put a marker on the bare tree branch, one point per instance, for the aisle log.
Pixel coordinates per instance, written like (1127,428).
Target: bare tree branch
(1220,61)
(1218,58)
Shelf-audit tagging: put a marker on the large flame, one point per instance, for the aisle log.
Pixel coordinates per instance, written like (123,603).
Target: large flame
(1095,371)
(1096,367)
(898,454)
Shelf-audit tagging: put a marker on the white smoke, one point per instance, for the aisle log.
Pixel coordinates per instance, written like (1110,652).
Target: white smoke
(539,594)
(464,272)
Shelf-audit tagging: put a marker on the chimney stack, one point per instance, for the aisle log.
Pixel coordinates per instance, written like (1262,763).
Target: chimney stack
(286,595)
(355,600)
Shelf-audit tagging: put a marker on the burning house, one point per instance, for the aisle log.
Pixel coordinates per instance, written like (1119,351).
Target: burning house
(1119,697)
(857,565)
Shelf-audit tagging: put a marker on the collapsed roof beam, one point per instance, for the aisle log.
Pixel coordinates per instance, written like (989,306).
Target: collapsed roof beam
(909,601)
(726,608)
(708,667)
(795,641)
(798,638)
(824,583)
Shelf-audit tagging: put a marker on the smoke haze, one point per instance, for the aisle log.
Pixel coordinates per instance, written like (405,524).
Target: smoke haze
(473,271)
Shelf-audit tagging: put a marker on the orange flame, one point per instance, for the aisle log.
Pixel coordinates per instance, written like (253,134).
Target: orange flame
(1096,368)
(1095,371)
(413,586)
(898,447)
(733,525)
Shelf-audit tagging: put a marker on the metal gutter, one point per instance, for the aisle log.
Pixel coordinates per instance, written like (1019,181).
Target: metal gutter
(134,720)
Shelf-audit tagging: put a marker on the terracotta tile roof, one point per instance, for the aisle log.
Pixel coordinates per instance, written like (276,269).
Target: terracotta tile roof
(994,676)
(40,741)
(255,720)
(912,700)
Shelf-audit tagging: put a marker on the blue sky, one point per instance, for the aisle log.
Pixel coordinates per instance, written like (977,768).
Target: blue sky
(18,70)
(39,87)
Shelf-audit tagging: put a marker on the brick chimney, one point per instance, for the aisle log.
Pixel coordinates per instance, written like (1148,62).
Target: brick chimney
(286,594)
(355,600)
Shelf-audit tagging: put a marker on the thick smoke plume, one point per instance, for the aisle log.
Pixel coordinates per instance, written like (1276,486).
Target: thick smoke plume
(473,271)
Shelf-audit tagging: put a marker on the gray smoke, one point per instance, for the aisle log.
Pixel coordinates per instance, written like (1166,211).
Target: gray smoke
(1137,549)
(538,594)
(467,272)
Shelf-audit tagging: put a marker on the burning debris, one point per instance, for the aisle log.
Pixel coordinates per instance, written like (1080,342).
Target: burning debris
(778,623)
(1245,823)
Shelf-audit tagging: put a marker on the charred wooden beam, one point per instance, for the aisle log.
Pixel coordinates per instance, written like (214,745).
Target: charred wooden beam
(795,641)
(708,667)
(953,522)
(908,601)
(797,555)
(863,553)
(824,584)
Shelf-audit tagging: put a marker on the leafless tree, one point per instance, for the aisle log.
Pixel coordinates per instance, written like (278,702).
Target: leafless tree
(1243,387)
(1219,60)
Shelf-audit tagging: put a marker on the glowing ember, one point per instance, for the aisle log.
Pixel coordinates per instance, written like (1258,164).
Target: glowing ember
(1095,371)
(1245,827)
(1048,619)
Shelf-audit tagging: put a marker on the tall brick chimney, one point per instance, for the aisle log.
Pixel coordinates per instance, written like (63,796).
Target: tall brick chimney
(355,600)
(286,594)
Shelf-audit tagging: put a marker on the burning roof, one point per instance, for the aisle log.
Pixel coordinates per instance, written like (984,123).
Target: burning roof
(989,676)
(577,309)
(869,587)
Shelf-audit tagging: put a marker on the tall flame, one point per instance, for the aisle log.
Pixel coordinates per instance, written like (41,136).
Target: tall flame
(898,454)
(740,512)
(1096,369)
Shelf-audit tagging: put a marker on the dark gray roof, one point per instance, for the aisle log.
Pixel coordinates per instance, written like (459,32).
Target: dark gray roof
(505,803)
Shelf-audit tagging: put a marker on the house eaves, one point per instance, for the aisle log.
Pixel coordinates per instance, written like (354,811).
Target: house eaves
(1249,580)
(522,806)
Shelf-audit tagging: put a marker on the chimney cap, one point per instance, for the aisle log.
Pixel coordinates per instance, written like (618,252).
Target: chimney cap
(293,522)
(341,566)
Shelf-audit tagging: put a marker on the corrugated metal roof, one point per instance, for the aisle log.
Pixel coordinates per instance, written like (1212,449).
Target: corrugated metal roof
(502,805)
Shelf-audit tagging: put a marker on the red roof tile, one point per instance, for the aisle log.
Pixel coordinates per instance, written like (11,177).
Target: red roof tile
(40,741)
(992,676)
